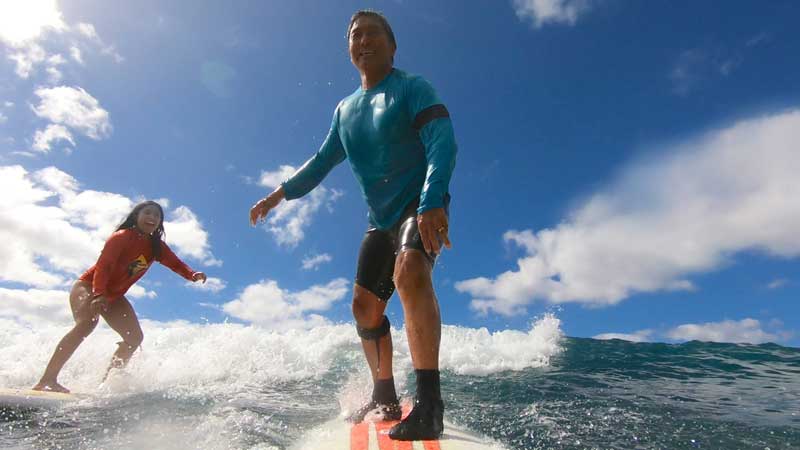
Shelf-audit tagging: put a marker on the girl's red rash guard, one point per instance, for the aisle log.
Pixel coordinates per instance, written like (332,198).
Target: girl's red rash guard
(125,258)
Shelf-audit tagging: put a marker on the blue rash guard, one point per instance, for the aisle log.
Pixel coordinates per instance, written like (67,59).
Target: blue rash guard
(399,140)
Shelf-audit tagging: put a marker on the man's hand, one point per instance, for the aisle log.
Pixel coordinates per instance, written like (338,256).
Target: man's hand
(197,276)
(432,226)
(262,207)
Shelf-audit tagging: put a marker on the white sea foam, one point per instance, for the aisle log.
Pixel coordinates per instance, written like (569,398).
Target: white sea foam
(219,357)
(220,385)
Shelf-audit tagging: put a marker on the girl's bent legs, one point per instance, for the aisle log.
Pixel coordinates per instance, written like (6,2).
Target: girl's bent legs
(122,319)
(79,299)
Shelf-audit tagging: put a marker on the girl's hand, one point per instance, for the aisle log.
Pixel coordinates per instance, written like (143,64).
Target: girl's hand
(98,305)
(197,276)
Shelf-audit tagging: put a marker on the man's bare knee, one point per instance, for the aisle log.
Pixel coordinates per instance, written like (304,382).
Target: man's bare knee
(412,273)
(367,310)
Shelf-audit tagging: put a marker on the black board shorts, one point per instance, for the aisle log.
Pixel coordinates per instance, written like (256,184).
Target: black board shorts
(380,248)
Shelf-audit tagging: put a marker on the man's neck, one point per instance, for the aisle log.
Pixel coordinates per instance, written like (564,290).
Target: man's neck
(371,79)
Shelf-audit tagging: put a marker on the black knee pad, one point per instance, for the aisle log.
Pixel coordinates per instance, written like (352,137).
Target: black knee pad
(373,334)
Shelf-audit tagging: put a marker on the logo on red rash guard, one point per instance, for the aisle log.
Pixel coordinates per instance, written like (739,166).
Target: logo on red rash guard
(137,265)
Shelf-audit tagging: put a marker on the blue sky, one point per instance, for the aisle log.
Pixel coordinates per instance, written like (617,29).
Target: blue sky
(630,166)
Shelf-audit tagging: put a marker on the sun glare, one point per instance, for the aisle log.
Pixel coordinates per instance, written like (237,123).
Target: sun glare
(24,20)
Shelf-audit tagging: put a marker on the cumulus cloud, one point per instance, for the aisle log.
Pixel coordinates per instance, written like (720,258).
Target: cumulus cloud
(76,55)
(137,291)
(25,21)
(186,233)
(542,12)
(26,25)
(51,230)
(74,108)
(212,284)
(22,25)
(53,133)
(744,331)
(637,336)
(87,30)
(26,58)
(267,304)
(686,212)
(289,220)
(35,306)
(314,261)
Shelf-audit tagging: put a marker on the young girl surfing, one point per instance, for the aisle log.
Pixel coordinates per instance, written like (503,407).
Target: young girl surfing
(127,255)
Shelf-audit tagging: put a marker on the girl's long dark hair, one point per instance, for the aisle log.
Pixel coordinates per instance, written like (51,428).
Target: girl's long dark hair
(158,234)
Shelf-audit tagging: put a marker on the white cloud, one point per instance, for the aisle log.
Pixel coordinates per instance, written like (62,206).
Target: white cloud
(53,133)
(212,284)
(51,230)
(87,30)
(684,213)
(26,58)
(542,12)
(743,331)
(137,291)
(76,55)
(3,118)
(112,52)
(265,303)
(25,26)
(25,21)
(275,178)
(637,336)
(74,108)
(54,75)
(312,262)
(776,284)
(35,306)
(288,221)
(56,60)
(186,234)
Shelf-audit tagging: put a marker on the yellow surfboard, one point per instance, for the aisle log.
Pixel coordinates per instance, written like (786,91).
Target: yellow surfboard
(26,398)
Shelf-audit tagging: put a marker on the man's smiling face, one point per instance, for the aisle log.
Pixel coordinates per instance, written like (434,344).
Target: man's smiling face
(370,46)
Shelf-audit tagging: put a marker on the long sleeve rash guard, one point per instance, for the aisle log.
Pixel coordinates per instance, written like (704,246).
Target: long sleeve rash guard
(125,258)
(400,143)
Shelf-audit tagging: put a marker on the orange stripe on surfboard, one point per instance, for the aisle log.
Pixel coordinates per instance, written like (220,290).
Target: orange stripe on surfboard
(359,436)
(431,445)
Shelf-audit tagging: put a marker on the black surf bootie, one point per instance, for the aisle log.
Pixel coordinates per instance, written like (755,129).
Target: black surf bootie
(390,411)
(424,422)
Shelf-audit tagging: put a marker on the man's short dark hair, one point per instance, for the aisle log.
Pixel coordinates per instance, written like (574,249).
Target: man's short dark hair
(375,15)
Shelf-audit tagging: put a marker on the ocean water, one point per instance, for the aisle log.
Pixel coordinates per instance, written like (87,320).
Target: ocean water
(229,386)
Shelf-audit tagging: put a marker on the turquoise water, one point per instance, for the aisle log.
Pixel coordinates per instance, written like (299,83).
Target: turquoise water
(616,394)
(234,387)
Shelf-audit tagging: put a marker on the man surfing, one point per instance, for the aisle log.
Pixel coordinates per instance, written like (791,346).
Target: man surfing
(397,135)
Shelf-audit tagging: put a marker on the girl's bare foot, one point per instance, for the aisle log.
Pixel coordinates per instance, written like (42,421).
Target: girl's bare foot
(50,386)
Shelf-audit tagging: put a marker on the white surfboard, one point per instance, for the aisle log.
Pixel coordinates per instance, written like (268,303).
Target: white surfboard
(26,398)
(338,434)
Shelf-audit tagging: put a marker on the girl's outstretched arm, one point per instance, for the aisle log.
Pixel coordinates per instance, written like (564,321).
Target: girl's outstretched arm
(171,260)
